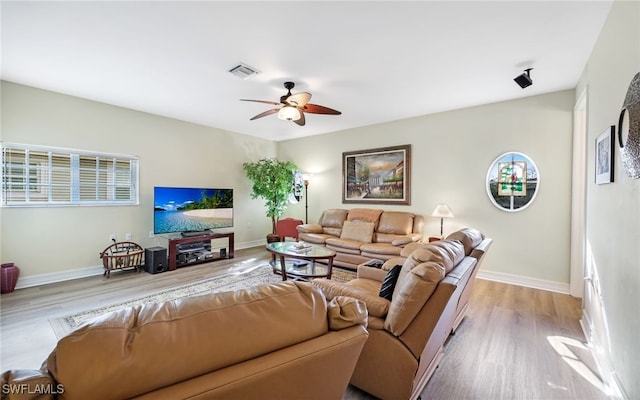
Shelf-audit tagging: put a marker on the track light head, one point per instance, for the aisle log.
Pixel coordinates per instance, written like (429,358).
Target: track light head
(524,79)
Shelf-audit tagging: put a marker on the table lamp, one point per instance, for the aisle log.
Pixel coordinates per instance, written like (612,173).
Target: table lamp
(443,211)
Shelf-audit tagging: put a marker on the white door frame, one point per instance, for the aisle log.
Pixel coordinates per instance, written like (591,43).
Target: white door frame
(578,197)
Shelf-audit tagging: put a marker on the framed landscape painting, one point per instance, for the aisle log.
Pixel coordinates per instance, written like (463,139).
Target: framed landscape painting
(604,156)
(377,176)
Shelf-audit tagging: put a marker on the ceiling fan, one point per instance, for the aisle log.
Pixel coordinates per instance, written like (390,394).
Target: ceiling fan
(293,106)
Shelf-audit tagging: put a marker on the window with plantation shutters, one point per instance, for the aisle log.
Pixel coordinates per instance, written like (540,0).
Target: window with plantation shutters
(37,175)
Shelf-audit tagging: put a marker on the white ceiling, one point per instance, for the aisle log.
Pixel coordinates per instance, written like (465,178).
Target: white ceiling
(374,61)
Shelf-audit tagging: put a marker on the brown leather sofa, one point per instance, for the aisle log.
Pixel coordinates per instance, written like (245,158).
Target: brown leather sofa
(360,234)
(280,341)
(407,333)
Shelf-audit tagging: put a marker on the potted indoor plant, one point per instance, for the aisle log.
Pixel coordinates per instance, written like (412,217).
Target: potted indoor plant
(273,181)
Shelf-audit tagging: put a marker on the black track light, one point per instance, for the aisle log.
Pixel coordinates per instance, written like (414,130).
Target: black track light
(524,79)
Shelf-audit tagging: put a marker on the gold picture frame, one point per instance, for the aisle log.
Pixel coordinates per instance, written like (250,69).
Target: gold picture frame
(377,176)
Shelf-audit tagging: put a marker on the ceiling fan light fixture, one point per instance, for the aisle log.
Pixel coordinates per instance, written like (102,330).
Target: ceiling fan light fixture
(289,113)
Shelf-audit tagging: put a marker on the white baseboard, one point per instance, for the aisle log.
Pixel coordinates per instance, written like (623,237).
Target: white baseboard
(54,277)
(534,283)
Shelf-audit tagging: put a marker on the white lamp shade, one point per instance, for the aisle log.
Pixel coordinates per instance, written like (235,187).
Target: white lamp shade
(306,177)
(442,211)
(289,113)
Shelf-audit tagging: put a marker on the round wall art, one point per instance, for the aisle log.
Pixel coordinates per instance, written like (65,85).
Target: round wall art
(629,129)
(512,181)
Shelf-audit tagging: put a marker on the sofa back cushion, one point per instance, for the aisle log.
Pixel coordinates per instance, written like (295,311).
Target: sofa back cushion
(136,350)
(416,283)
(365,214)
(332,220)
(449,253)
(396,222)
(360,231)
(469,238)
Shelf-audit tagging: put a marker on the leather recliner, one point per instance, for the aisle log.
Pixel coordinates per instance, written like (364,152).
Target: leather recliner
(407,333)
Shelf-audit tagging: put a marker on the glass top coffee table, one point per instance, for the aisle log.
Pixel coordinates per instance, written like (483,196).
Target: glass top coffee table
(304,257)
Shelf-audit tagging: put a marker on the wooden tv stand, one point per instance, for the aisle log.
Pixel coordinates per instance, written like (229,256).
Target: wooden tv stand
(185,251)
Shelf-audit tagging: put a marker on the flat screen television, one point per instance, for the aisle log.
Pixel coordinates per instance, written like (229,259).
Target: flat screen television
(178,209)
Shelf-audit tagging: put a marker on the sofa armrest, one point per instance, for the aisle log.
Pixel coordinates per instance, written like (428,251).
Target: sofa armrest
(367,272)
(309,228)
(345,312)
(26,384)
(366,290)
(403,241)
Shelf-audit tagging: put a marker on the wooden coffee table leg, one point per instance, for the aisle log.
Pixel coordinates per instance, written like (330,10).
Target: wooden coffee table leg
(283,268)
(329,267)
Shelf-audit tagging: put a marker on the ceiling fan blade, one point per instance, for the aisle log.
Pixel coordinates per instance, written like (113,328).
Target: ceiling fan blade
(316,109)
(300,121)
(264,114)
(262,101)
(299,99)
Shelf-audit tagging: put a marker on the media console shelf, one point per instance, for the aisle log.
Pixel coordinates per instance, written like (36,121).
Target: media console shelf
(197,249)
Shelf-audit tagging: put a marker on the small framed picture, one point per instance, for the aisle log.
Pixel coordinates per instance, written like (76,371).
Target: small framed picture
(604,156)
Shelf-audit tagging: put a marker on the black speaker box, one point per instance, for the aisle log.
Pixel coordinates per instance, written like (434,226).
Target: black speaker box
(523,80)
(155,260)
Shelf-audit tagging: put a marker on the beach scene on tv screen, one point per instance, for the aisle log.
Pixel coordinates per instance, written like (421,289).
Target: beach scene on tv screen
(191,209)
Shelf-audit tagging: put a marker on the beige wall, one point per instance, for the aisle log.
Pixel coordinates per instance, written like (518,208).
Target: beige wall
(44,240)
(451,153)
(613,210)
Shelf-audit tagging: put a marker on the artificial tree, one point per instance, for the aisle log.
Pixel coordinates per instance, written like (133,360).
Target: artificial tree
(273,181)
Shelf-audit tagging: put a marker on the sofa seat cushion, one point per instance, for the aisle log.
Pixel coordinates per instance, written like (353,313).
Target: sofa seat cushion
(366,290)
(344,245)
(380,248)
(315,238)
(375,323)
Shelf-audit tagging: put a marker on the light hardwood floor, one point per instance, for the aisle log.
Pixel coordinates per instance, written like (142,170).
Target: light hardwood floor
(504,349)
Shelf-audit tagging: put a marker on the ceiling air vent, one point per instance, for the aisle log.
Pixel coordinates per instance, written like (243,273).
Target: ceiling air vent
(243,71)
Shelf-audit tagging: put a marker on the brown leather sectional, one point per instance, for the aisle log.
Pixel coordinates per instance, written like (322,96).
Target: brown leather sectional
(280,341)
(362,234)
(407,333)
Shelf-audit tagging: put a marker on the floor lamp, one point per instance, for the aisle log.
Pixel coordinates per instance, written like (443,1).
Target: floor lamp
(305,179)
(443,211)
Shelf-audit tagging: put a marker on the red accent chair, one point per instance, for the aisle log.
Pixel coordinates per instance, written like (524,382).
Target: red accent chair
(286,227)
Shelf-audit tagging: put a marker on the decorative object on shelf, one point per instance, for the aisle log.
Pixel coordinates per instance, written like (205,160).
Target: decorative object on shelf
(121,255)
(9,275)
(377,176)
(272,181)
(629,129)
(305,180)
(298,184)
(442,211)
(512,181)
(604,156)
